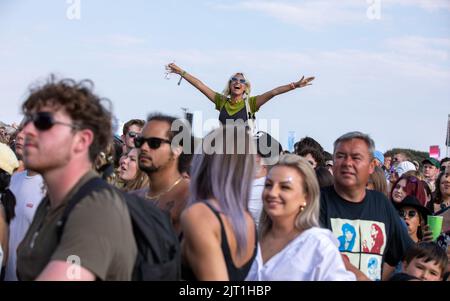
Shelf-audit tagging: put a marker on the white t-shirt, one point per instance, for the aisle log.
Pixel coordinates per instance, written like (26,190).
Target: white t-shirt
(29,193)
(255,203)
(311,256)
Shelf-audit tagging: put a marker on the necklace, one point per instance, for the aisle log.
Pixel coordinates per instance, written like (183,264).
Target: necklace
(159,195)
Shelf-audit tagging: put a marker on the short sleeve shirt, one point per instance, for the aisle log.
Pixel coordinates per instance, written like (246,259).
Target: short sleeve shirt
(233,111)
(98,235)
(369,233)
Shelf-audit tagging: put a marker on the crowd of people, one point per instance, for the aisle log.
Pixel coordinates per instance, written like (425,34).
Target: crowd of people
(239,206)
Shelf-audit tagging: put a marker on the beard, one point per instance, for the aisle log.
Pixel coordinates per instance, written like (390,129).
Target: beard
(150,169)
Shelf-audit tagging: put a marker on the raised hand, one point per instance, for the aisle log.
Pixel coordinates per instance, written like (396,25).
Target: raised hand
(172,68)
(303,82)
(427,235)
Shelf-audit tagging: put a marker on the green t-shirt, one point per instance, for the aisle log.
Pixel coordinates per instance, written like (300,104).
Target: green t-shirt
(221,102)
(98,231)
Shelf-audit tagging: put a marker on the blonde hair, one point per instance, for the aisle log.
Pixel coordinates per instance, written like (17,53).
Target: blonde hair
(140,181)
(226,91)
(309,217)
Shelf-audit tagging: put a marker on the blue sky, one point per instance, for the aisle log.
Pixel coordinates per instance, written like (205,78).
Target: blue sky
(388,77)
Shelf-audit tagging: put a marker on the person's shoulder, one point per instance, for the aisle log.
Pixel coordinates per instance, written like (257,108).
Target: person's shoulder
(102,201)
(197,218)
(319,235)
(374,194)
(198,211)
(327,193)
(378,199)
(18,175)
(328,190)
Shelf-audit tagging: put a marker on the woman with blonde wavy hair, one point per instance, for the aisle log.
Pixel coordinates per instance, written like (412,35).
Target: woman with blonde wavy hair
(291,244)
(235,102)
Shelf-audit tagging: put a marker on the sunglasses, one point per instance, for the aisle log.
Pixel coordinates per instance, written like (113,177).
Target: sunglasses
(132,134)
(44,121)
(410,213)
(153,142)
(241,80)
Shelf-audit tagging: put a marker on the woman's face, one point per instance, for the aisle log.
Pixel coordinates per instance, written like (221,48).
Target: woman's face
(283,194)
(412,219)
(445,183)
(128,165)
(238,84)
(398,194)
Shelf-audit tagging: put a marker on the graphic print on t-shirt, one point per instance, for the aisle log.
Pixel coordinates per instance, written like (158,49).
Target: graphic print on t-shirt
(362,242)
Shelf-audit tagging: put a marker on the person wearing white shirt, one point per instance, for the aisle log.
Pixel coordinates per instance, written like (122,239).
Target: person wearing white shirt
(292,246)
(28,188)
(268,152)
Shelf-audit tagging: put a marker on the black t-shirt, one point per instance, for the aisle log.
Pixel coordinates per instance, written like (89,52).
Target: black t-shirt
(369,232)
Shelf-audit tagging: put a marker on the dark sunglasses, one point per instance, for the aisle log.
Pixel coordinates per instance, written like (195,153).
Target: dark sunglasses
(410,213)
(153,142)
(241,80)
(132,134)
(44,121)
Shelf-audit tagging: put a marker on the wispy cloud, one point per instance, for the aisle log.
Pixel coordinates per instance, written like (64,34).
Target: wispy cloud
(123,40)
(322,13)
(310,15)
(428,5)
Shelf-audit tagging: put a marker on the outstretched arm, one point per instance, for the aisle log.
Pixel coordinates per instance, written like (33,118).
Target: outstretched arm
(263,98)
(193,81)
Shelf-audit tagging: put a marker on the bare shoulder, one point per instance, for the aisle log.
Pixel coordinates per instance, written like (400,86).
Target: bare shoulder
(198,215)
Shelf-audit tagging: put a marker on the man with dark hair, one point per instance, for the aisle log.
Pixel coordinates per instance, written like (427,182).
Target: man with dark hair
(131,129)
(65,128)
(159,154)
(312,155)
(307,142)
(380,240)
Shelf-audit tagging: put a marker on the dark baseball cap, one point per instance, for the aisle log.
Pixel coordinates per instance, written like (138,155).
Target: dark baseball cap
(433,162)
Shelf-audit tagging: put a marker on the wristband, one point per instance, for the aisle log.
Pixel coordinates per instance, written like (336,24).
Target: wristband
(293,86)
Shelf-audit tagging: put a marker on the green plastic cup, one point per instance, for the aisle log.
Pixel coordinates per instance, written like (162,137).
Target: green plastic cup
(435,224)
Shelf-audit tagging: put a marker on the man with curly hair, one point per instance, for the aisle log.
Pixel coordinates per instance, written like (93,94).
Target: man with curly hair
(66,127)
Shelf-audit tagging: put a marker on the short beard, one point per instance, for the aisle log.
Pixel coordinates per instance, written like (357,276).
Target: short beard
(148,169)
(154,169)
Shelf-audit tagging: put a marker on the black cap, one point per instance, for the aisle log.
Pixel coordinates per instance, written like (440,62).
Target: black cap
(413,202)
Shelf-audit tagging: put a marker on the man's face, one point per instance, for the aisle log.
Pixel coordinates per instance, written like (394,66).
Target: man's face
(430,171)
(352,164)
(427,271)
(50,149)
(133,131)
(154,160)
(20,140)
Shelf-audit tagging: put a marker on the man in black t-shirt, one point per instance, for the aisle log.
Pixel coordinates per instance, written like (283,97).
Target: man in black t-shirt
(371,237)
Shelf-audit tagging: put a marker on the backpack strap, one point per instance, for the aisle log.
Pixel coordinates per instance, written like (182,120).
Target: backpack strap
(94,184)
(250,116)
